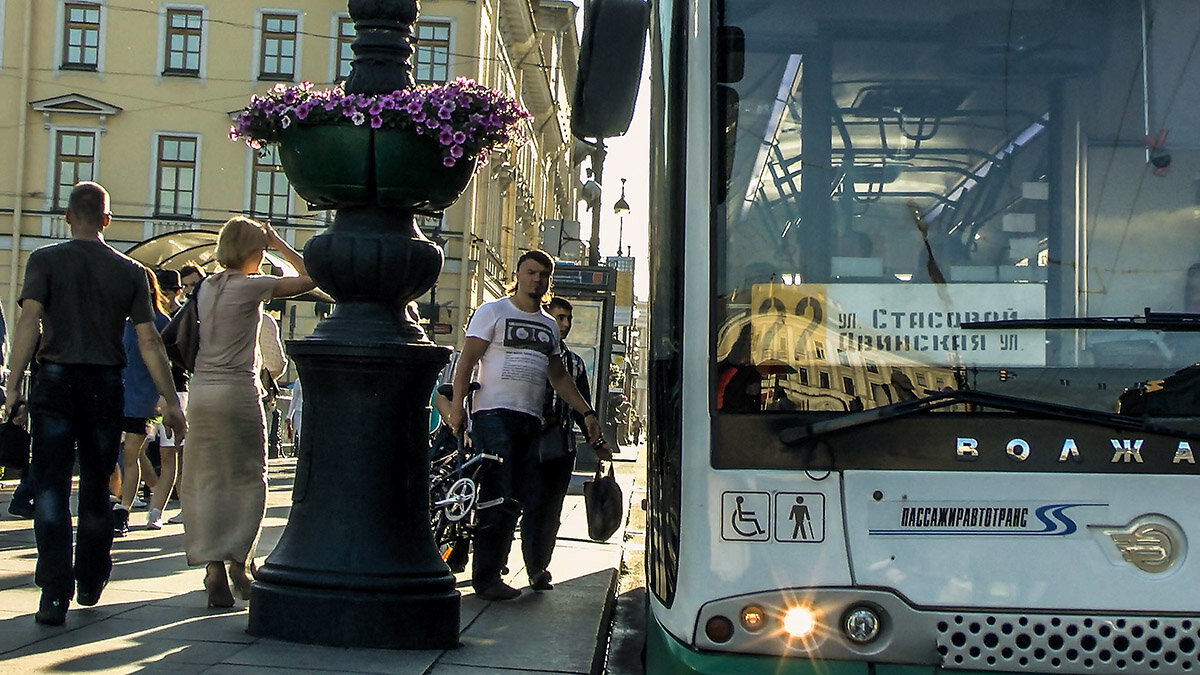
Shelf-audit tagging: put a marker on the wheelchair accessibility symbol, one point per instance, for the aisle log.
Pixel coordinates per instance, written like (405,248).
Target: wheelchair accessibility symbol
(746,516)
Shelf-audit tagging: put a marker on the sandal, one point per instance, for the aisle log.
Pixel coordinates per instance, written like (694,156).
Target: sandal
(241,583)
(217,586)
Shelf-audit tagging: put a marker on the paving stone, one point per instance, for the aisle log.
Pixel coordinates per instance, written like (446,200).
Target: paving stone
(153,615)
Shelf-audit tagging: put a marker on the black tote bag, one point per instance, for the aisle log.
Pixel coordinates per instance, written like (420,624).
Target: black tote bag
(604,503)
(14,444)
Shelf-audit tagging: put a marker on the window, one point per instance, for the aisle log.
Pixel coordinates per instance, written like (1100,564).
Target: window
(345,55)
(176,176)
(74,160)
(431,60)
(823,379)
(81,36)
(848,385)
(268,185)
(183,41)
(278,60)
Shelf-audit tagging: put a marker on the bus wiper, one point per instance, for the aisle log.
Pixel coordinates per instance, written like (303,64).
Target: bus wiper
(942,399)
(1150,320)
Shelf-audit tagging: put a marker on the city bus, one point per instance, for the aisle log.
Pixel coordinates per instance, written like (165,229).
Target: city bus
(924,310)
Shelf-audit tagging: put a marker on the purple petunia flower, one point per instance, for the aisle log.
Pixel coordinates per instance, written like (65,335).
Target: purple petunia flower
(448,162)
(488,117)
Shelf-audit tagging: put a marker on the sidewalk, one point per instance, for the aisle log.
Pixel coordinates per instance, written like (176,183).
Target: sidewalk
(152,617)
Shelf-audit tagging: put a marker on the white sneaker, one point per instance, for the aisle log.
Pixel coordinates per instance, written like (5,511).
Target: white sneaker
(176,519)
(154,519)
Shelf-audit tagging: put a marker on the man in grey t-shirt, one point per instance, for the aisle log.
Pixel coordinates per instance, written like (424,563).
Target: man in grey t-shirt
(76,297)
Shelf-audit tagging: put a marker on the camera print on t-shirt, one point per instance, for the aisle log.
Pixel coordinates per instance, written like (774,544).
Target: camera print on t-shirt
(530,344)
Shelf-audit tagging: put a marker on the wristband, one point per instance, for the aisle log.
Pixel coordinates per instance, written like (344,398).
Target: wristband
(591,412)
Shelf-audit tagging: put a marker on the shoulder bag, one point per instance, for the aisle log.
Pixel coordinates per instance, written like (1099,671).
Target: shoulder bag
(181,337)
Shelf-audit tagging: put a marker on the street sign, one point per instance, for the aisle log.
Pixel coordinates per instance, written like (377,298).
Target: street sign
(581,278)
(442,329)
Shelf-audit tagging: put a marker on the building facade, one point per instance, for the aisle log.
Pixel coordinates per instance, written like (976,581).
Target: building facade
(139,96)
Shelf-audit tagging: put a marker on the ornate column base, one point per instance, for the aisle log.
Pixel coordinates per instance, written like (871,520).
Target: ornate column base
(356,565)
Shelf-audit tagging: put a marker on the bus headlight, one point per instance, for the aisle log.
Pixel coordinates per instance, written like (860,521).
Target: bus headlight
(719,629)
(754,618)
(861,624)
(799,622)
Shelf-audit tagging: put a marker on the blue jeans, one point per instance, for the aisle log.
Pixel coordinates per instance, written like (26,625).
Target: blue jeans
(70,407)
(513,436)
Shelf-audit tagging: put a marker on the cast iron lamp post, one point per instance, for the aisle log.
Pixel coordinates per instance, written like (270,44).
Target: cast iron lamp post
(356,565)
(621,208)
(597,177)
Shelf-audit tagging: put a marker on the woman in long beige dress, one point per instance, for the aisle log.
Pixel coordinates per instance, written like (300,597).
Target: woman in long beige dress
(226,482)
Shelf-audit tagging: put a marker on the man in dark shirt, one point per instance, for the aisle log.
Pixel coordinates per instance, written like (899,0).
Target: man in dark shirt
(76,297)
(556,457)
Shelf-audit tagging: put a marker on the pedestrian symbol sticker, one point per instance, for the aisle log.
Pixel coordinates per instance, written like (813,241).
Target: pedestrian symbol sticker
(800,517)
(745,516)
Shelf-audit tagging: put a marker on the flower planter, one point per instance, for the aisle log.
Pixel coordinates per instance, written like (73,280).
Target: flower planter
(329,166)
(409,172)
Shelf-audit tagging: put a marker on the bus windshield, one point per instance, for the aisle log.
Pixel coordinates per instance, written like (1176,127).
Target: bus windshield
(885,173)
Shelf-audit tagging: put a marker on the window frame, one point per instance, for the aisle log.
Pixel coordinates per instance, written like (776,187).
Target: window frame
(264,17)
(160,164)
(168,31)
(339,42)
(53,168)
(271,196)
(418,49)
(64,36)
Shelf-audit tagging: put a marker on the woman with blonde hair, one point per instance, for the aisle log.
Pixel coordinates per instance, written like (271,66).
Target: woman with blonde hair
(225,485)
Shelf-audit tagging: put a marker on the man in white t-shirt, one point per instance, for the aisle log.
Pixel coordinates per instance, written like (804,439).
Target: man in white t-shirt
(512,340)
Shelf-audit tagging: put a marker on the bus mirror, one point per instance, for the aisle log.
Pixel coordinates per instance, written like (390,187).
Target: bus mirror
(610,67)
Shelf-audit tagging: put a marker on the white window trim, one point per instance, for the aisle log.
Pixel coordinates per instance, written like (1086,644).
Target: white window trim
(258,30)
(161,60)
(152,191)
(52,158)
(59,24)
(2,7)
(452,45)
(334,21)
(248,204)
